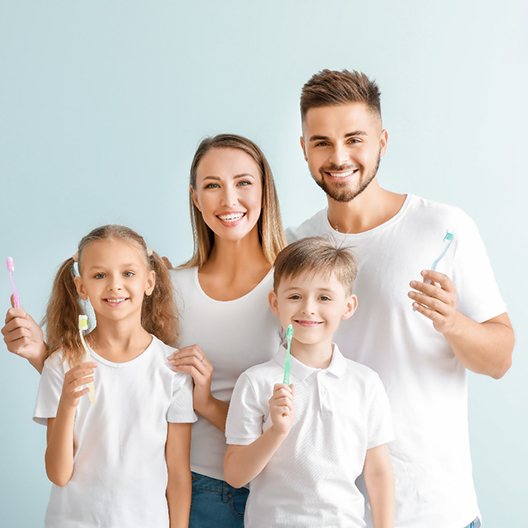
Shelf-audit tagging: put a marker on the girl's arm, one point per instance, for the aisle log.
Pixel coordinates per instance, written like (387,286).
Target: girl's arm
(59,452)
(242,463)
(179,486)
(380,486)
(23,336)
(192,360)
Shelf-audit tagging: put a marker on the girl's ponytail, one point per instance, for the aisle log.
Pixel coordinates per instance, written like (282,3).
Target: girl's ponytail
(158,315)
(62,315)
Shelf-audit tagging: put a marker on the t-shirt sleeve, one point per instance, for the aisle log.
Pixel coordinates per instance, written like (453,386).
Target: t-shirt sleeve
(50,389)
(246,413)
(379,421)
(181,405)
(478,295)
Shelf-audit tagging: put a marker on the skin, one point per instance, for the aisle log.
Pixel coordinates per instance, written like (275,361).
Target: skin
(314,305)
(116,270)
(348,140)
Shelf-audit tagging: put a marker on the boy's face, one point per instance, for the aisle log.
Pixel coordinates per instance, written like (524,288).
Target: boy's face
(314,304)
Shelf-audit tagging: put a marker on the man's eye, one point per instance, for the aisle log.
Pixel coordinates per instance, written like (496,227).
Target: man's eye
(321,144)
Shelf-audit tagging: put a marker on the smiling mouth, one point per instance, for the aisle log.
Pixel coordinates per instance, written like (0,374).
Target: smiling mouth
(341,175)
(116,301)
(231,218)
(306,322)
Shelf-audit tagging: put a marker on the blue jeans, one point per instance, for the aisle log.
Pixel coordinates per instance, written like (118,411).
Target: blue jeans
(474,524)
(216,504)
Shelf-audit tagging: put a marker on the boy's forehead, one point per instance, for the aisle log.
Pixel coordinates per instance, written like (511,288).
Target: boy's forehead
(313,279)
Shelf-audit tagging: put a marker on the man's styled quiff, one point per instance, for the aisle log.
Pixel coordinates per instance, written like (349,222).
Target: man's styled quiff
(332,88)
(316,255)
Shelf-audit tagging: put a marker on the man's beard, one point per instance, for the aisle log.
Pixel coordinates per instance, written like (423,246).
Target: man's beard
(340,193)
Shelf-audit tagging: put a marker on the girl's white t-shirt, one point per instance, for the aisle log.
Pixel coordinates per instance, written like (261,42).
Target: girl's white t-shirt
(234,335)
(120,472)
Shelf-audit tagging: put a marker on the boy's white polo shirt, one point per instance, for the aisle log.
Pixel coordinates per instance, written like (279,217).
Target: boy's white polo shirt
(340,412)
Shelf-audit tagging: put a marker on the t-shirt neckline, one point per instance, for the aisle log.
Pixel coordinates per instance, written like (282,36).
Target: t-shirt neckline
(113,364)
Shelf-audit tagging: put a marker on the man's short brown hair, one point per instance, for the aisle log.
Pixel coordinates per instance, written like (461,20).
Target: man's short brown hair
(316,255)
(331,88)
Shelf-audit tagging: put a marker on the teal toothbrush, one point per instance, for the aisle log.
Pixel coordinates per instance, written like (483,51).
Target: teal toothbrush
(448,240)
(289,335)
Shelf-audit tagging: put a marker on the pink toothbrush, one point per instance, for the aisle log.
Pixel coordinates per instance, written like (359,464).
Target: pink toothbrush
(11,270)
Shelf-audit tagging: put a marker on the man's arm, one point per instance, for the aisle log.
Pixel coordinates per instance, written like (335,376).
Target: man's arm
(485,348)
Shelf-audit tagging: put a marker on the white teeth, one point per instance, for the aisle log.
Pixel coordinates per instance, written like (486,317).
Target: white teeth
(342,174)
(116,301)
(231,217)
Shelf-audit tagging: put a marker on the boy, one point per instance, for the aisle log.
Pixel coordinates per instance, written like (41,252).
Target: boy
(303,465)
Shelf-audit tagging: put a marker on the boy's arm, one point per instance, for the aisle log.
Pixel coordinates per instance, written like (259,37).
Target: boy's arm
(59,451)
(377,473)
(242,463)
(179,485)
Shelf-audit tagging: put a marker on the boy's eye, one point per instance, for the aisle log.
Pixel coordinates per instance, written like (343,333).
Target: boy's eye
(325,298)
(294,297)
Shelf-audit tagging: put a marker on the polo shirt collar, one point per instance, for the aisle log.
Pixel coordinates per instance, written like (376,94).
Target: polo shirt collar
(301,371)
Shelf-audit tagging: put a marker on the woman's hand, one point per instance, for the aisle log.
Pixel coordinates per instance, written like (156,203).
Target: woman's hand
(24,337)
(192,360)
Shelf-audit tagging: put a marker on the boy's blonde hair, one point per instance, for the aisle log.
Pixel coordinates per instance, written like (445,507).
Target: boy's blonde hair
(158,313)
(317,255)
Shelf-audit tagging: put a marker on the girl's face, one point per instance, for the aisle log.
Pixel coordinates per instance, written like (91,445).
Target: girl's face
(115,277)
(228,192)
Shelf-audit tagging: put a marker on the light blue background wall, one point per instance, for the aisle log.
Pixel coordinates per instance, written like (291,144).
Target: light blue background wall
(103,103)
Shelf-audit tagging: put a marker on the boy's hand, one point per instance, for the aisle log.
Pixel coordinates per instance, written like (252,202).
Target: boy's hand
(281,406)
(75,378)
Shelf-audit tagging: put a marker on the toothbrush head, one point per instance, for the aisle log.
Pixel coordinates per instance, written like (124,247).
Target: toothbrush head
(83,322)
(449,236)
(289,332)
(10,263)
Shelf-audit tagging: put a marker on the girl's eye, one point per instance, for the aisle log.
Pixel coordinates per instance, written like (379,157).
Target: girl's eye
(99,276)
(129,274)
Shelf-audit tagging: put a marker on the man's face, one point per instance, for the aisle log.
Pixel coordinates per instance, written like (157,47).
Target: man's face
(343,146)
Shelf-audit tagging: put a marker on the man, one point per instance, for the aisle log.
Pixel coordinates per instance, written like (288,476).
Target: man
(419,329)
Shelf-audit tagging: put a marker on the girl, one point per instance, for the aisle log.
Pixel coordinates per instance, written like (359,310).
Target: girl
(122,460)
(222,292)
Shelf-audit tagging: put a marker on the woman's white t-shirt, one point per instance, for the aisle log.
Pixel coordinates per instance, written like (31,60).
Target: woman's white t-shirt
(120,472)
(234,335)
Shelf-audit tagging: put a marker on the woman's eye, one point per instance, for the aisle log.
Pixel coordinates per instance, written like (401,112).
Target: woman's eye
(244,183)
(211,186)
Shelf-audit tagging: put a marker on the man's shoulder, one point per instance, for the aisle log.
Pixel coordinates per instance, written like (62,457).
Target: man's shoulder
(424,207)
(314,226)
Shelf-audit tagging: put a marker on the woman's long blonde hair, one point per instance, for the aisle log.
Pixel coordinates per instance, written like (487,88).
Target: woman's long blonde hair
(158,313)
(271,234)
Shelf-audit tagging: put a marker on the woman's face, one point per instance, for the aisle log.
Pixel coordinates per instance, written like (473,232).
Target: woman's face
(228,192)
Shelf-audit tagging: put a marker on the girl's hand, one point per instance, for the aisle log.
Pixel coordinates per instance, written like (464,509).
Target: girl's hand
(75,378)
(191,360)
(282,410)
(23,336)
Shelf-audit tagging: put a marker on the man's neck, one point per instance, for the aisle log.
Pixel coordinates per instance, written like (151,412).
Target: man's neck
(373,207)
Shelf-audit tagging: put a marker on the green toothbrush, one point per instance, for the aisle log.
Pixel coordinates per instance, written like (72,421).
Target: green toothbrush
(289,335)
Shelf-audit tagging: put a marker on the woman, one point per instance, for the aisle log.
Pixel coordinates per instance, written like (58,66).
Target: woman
(221,292)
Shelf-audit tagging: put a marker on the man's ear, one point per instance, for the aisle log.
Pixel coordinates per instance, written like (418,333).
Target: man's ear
(303,147)
(79,286)
(273,303)
(384,139)
(350,307)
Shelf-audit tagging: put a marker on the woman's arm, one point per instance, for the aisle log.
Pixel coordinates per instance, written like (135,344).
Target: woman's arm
(380,486)
(179,486)
(59,451)
(192,360)
(23,336)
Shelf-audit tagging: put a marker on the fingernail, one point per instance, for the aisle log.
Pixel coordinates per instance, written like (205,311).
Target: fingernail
(413,283)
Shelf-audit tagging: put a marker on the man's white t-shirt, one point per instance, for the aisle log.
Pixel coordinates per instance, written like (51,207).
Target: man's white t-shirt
(425,382)
(234,335)
(340,413)
(120,471)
